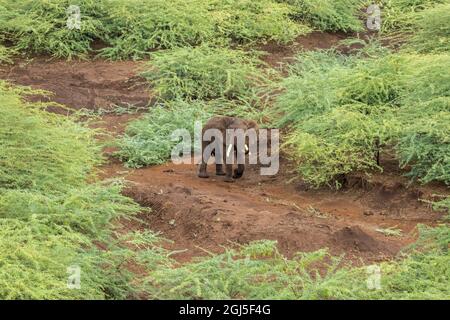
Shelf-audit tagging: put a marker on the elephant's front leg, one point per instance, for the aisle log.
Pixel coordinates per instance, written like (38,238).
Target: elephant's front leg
(229,173)
(228,160)
(202,172)
(239,171)
(219,170)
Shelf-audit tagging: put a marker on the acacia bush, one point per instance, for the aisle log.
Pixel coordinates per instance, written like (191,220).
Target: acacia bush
(137,26)
(41,26)
(246,21)
(343,140)
(131,28)
(328,15)
(204,73)
(31,139)
(401,15)
(147,141)
(387,101)
(50,217)
(259,271)
(423,143)
(432,30)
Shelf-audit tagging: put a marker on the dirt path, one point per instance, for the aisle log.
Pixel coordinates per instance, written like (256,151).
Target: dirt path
(82,84)
(208,214)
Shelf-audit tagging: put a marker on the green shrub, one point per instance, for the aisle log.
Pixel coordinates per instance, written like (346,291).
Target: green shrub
(148,140)
(137,26)
(41,26)
(254,271)
(407,94)
(246,21)
(41,140)
(373,82)
(132,28)
(432,30)
(259,271)
(322,80)
(338,142)
(50,217)
(328,15)
(203,73)
(5,55)
(41,237)
(401,15)
(311,87)
(88,209)
(423,142)
(424,146)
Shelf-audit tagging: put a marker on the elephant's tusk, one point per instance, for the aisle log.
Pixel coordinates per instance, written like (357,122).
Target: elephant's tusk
(229,150)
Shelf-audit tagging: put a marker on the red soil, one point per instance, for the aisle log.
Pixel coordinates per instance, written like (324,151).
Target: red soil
(82,84)
(210,213)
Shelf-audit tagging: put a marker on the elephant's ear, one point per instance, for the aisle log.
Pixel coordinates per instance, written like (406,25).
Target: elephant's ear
(251,124)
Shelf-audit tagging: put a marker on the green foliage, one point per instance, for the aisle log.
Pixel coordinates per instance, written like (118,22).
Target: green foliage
(328,15)
(255,271)
(203,73)
(136,26)
(310,88)
(423,143)
(148,140)
(401,15)
(432,30)
(40,26)
(50,218)
(385,100)
(338,142)
(87,209)
(131,28)
(259,271)
(5,55)
(39,140)
(40,237)
(245,21)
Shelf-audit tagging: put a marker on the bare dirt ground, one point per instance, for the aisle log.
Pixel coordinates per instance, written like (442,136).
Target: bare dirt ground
(207,214)
(279,55)
(82,84)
